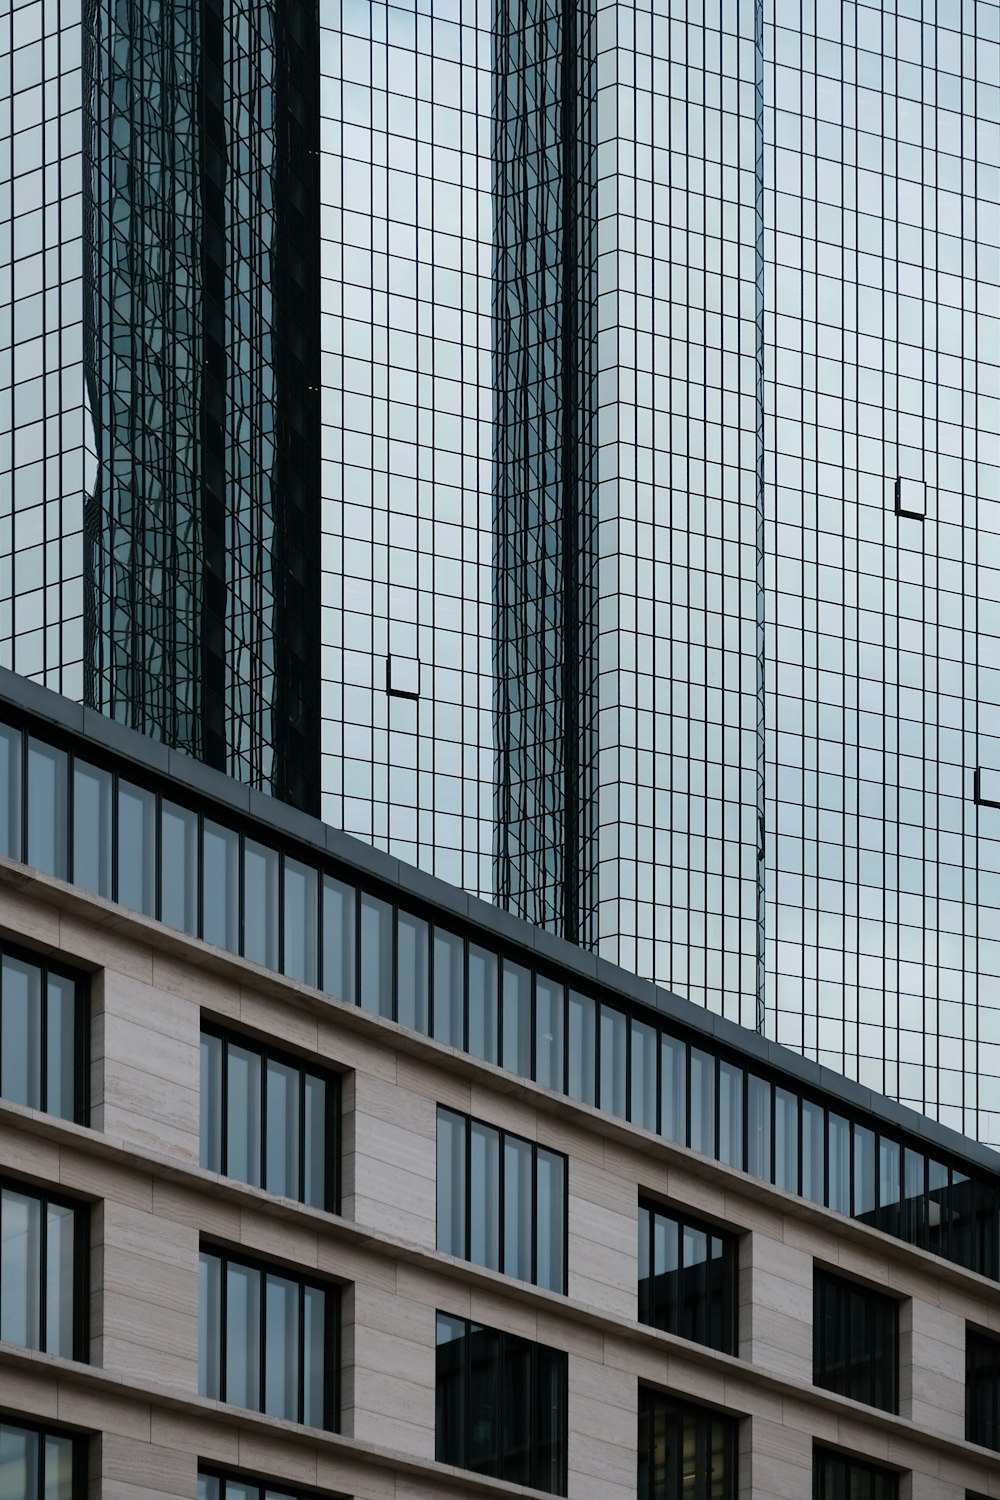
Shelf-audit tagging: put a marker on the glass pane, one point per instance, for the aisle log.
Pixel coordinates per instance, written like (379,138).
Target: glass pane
(137,848)
(21,1255)
(518,1225)
(243,1123)
(864,1172)
(813,1175)
(301,921)
(839,1164)
(339,940)
(179,867)
(484,1187)
(731,1114)
(643,1102)
(10,791)
(210,1155)
(260,904)
(550,1008)
(614,1054)
(665,1301)
(582,1022)
(450,1402)
(694,1285)
(376,956)
(516,1408)
(549,1466)
(413,976)
(314,1357)
(92,818)
(702,1102)
(673,1089)
(243,1352)
(516,1056)
(47,777)
(451,1131)
(60,1058)
(759,1128)
(889,1180)
(281,1378)
(483,1018)
(786,1140)
(314,1185)
(208,1487)
(21,1033)
(550,1225)
(209,1325)
(283,1119)
(221,891)
(449,988)
(59,1283)
(484,1400)
(18,1462)
(58,1469)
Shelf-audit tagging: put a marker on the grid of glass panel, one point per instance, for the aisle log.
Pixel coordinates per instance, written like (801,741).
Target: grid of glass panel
(687,1277)
(293,914)
(407,410)
(855,1341)
(684,1450)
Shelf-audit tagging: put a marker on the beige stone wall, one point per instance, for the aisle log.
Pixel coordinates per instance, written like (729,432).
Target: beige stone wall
(152,1206)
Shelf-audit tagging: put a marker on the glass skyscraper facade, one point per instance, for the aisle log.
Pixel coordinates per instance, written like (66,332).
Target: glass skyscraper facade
(562,436)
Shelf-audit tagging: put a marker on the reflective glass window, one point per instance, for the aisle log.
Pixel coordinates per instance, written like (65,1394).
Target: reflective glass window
(38,1463)
(449,988)
(643,1078)
(837,1477)
(483,1013)
(582,1060)
(339,940)
(93,816)
(614,1060)
(731,1114)
(813,1152)
(501,1405)
(702,1137)
(219,1486)
(550,1025)
(47,808)
(300,921)
(673,1089)
(260,904)
(376,956)
(687,1277)
(759,1128)
(11,743)
(43,1039)
(786,1140)
(413,972)
(855,1341)
(179,867)
(221,887)
(516,1027)
(42,1284)
(684,1450)
(137,853)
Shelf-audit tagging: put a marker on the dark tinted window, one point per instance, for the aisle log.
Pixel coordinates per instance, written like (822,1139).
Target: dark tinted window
(42,1272)
(982,1390)
(687,1278)
(838,1478)
(855,1341)
(268,1120)
(684,1450)
(501,1405)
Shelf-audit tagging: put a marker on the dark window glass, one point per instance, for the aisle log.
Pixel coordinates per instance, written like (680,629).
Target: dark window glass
(10,792)
(300,916)
(643,1101)
(42,1277)
(687,1278)
(982,1389)
(137,855)
(449,988)
(855,1341)
(516,1054)
(268,1120)
(483,1016)
(93,809)
(260,904)
(582,1083)
(221,887)
(339,940)
(684,1450)
(43,1037)
(614,1055)
(838,1478)
(501,1201)
(501,1405)
(179,867)
(267,1341)
(550,1013)
(914,1206)
(39,1464)
(413,973)
(376,956)
(47,819)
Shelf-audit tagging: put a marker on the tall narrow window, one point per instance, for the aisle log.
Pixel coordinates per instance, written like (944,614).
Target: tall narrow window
(11,742)
(340,946)
(42,1272)
(221,887)
(300,911)
(684,1450)
(43,1037)
(483,1010)
(501,1201)
(47,807)
(269,1120)
(179,867)
(412,972)
(837,1477)
(501,1405)
(37,1463)
(260,904)
(93,809)
(268,1341)
(855,1341)
(687,1278)
(137,854)
(982,1389)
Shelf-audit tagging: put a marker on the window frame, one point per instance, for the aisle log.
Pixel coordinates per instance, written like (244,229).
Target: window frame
(333,1081)
(877,1302)
(857,1467)
(293,1490)
(730,1258)
(43,1430)
(81,1211)
(682,1407)
(81,981)
(979,1337)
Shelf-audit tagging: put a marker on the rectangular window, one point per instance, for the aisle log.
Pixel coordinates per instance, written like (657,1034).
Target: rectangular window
(982,1390)
(483,1010)
(340,944)
(687,1278)
(268,1341)
(684,1450)
(412,972)
(37,1463)
(269,1120)
(11,743)
(215,1485)
(43,1292)
(260,904)
(838,1478)
(137,853)
(179,867)
(855,1341)
(376,956)
(93,808)
(43,1037)
(501,1405)
(221,887)
(47,799)
(300,912)
(501,1201)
